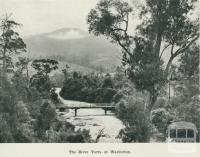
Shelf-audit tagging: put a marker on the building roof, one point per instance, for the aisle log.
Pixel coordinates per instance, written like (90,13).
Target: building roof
(182,125)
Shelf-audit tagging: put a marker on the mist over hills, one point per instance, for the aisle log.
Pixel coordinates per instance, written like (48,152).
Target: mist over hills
(75,46)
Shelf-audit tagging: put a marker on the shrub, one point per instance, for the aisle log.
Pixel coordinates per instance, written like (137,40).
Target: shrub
(161,118)
(45,119)
(5,131)
(136,121)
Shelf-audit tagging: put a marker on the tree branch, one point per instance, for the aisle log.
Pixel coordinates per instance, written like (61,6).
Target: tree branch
(178,52)
(172,49)
(126,21)
(123,47)
(182,49)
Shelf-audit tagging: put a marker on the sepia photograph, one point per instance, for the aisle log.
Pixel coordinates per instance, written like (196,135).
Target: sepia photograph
(99,71)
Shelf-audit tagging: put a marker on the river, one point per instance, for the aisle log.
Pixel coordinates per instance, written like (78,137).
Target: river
(93,120)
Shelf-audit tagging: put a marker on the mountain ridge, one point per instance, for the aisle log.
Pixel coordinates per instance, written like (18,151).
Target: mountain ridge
(76,46)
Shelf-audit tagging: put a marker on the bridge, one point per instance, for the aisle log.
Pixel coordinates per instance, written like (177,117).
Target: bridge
(76,108)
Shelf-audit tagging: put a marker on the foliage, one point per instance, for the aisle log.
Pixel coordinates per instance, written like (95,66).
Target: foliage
(41,80)
(5,134)
(185,105)
(24,116)
(161,119)
(80,136)
(10,43)
(15,117)
(22,122)
(190,111)
(88,88)
(41,83)
(137,123)
(54,96)
(45,66)
(165,24)
(20,82)
(189,62)
(45,119)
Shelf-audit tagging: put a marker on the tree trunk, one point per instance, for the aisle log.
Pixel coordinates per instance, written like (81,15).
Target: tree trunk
(4,58)
(166,72)
(27,76)
(4,64)
(152,99)
(158,44)
(3,75)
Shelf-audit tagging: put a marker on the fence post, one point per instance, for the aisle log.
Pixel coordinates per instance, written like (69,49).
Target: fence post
(105,111)
(76,112)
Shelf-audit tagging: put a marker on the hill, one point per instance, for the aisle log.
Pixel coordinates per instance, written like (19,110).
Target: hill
(75,46)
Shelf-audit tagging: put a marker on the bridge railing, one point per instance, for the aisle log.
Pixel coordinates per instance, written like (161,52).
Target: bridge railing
(87,105)
(103,104)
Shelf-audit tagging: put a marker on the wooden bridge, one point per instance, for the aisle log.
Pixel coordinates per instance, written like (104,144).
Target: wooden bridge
(76,108)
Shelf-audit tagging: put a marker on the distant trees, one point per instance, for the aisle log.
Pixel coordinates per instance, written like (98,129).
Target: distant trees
(166,27)
(88,88)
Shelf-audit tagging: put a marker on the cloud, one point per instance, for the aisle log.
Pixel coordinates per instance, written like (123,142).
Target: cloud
(38,16)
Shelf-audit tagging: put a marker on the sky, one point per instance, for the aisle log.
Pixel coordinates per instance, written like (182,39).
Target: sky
(41,16)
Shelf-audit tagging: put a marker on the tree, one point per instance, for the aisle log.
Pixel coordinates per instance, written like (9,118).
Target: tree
(54,96)
(22,65)
(45,119)
(15,118)
(19,83)
(41,79)
(188,74)
(166,27)
(108,82)
(45,66)
(185,105)
(189,62)
(10,42)
(5,133)
(20,78)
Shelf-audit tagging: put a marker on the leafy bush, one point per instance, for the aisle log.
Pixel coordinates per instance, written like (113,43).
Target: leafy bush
(161,119)
(5,134)
(80,136)
(45,119)
(15,117)
(136,121)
